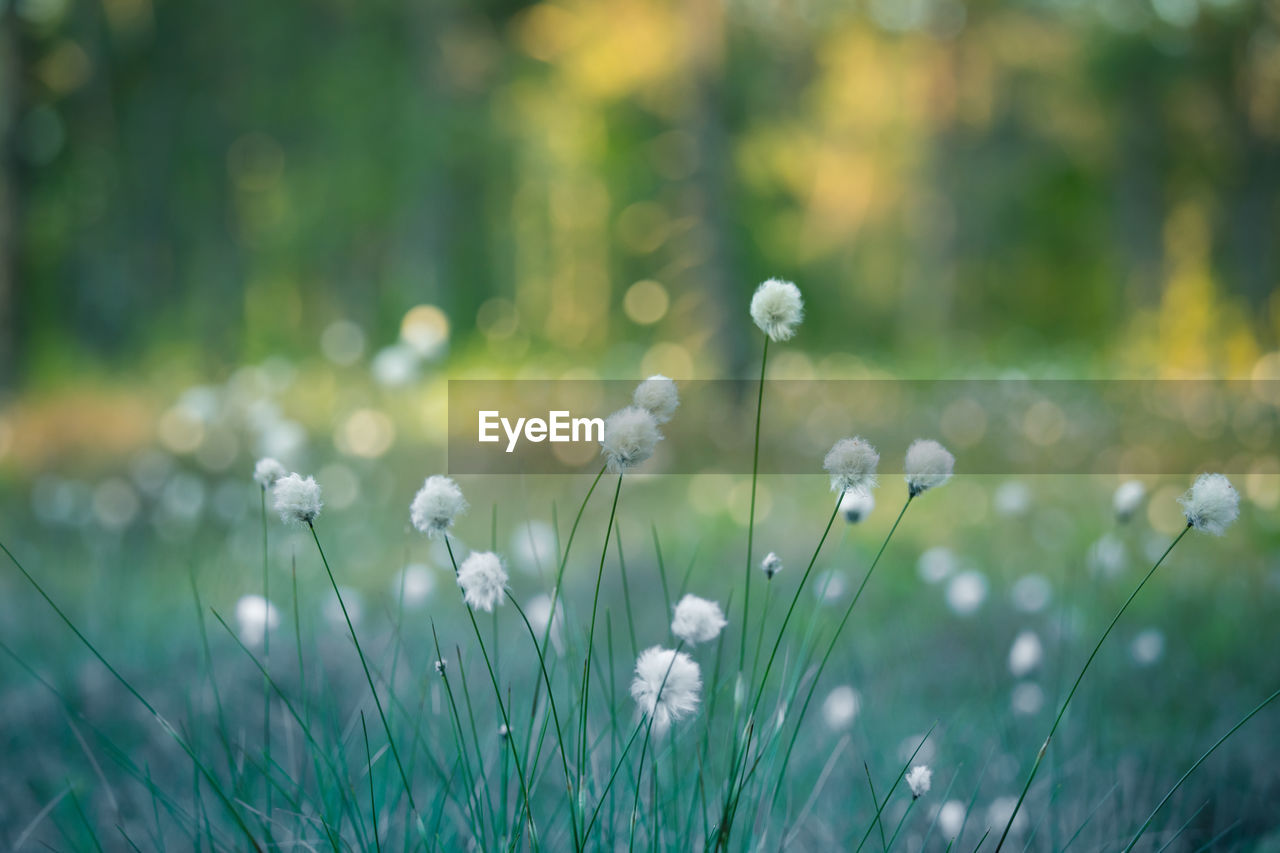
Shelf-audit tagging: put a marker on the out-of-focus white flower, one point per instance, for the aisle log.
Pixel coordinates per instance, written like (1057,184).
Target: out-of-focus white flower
(436,505)
(1127,499)
(533,546)
(1012,498)
(483,580)
(666,686)
(1027,698)
(267,471)
(504,731)
(1025,654)
(1211,504)
(777,308)
(1031,593)
(333,608)
(771,565)
(297,499)
(697,620)
(840,708)
(852,462)
(255,616)
(630,436)
(927,466)
(538,611)
(857,505)
(1108,556)
(951,818)
(919,779)
(441,666)
(936,564)
(1147,647)
(413,585)
(1000,810)
(830,586)
(657,395)
(966,592)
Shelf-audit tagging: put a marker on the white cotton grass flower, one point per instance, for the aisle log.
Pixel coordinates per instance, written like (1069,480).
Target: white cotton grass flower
(852,462)
(333,608)
(1127,498)
(1031,593)
(538,611)
(255,616)
(966,592)
(1147,647)
(857,505)
(666,686)
(927,466)
(1212,504)
(1025,654)
(1001,809)
(630,436)
(919,779)
(697,620)
(483,580)
(436,505)
(841,707)
(937,564)
(951,818)
(267,471)
(657,395)
(777,308)
(1027,698)
(771,565)
(297,499)
(413,585)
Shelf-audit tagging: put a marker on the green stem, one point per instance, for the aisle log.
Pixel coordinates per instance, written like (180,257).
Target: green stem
(586,664)
(1062,712)
(1247,717)
(751,517)
(408,789)
(204,771)
(266,658)
(555,715)
(502,708)
(826,657)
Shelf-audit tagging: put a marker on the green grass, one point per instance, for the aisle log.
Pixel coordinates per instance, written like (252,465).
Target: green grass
(132,723)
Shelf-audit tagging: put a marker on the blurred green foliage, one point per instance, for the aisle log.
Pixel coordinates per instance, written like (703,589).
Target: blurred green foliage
(1076,179)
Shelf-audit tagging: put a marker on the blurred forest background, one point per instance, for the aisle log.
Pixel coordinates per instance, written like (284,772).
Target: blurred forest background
(191,186)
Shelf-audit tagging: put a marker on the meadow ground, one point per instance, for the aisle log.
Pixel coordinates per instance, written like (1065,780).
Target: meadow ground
(987,601)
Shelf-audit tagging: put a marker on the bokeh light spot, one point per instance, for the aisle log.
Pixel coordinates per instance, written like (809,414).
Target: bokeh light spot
(646,302)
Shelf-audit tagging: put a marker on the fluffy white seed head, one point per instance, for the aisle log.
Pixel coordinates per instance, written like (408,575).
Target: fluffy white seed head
(657,395)
(255,617)
(297,499)
(1127,499)
(777,309)
(856,506)
(919,779)
(483,580)
(1211,504)
(267,471)
(630,436)
(436,505)
(928,465)
(852,462)
(666,686)
(697,620)
(771,564)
